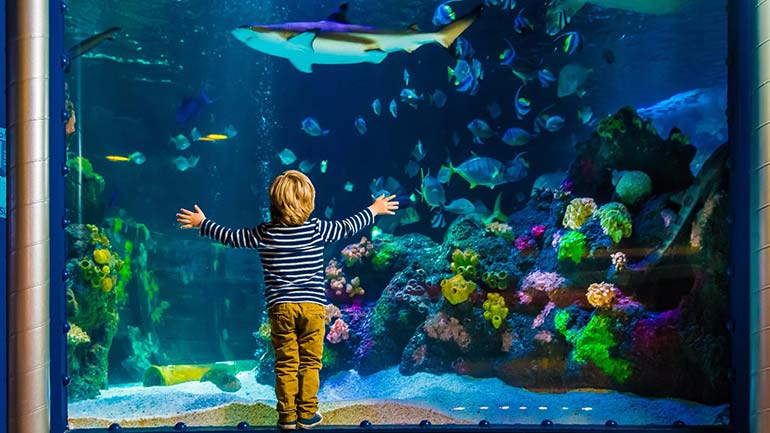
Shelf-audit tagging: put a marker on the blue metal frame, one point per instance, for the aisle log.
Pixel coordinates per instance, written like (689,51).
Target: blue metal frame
(57,152)
(739,63)
(3,236)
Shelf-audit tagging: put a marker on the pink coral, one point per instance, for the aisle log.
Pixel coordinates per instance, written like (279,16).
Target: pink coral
(331,312)
(540,319)
(418,356)
(544,336)
(525,243)
(335,278)
(538,285)
(338,332)
(355,252)
(444,328)
(537,231)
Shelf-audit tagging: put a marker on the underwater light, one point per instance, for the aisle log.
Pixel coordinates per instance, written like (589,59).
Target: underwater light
(505,407)
(586,408)
(458,408)
(564,408)
(376,232)
(543,407)
(523,407)
(483,407)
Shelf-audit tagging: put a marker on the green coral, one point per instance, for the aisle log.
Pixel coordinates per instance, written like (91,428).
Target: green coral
(611,127)
(387,250)
(633,186)
(495,310)
(572,246)
(593,343)
(457,289)
(157,312)
(465,262)
(615,220)
(495,280)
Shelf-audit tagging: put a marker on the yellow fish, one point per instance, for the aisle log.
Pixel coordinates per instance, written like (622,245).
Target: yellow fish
(118,158)
(213,137)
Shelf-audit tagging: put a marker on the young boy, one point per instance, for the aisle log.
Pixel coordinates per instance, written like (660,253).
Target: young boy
(291,251)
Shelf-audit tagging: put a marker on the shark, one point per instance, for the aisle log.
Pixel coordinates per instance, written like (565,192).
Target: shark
(653,7)
(335,41)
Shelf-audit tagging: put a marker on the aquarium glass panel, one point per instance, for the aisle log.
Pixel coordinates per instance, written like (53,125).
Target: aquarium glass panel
(558,252)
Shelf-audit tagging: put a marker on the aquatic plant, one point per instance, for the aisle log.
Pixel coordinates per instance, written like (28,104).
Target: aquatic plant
(76,335)
(633,186)
(615,221)
(464,263)
(338,331)
(495,280)
(157,312)
(578,211)
(593,343)
(457,289)
(572,246)
(500,229)
(354,287)
(495,310)
(353,253)
(446,328)
(602,295)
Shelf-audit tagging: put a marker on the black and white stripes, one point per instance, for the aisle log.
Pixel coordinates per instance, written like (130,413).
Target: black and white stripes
(292,257)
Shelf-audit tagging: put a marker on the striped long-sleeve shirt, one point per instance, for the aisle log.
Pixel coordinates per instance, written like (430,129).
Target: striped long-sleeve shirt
(292,257)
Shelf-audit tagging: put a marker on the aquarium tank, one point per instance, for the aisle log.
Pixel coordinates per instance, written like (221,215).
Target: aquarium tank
(559,252)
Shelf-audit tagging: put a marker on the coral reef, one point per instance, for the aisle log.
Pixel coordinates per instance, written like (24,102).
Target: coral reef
(615,221)
(572,246)
(354,253)
(633,187)
(457,289)
(602,295)
(578,211)
(495,310)
(337,332)
(464,263)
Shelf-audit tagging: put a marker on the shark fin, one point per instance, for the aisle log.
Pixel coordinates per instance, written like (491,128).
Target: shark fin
(302,64)
(413,28)
(340,14)
(447,35)
(304,40)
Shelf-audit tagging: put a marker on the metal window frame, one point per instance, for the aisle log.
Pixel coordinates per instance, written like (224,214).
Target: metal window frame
(739,64)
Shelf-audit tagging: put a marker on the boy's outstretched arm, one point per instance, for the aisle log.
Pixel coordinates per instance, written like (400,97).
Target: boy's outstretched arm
(335,230)
(241,238)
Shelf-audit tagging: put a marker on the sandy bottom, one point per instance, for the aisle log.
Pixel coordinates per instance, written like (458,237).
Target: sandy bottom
(386,397)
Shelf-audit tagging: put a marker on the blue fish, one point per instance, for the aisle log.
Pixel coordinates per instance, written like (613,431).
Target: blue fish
(546,77)
(438,98)
(393,108)
(573,42)
(360,125)
(556,20)
(377,106)
(463,48)
(444,14)
(523,105)
(516,137)
(508,55)
(503,4)
(522,25)
(192,106)
(438,220)
(311,127)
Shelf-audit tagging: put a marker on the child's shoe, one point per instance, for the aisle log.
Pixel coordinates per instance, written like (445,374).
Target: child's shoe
(308,423)
(289,425)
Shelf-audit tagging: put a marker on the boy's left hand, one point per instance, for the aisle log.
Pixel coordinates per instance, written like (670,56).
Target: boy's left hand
(190,219)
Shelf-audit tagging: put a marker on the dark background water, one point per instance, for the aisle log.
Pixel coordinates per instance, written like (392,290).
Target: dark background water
(171,49)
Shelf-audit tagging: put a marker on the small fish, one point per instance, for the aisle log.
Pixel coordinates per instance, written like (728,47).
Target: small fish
(287,157)
(571,78)
(419,151)
(573,42)
(608,56)
(393,108)
(137,158)
(213,137)
(503,4)
(306,166)
(410,217)
(180,142)
(521,24)
(412,168)
(444,174)
(118,158)
(554,123)
(432,191)
(377,106)
(455,138)
(360,125)
(463,48)
(349,186)
(312,128)
(410,97)
(438,98)
(444,14)
(230,131)
(438,221)
(324,166)
(91,42)
(406,77)
(195,135)
(461,206)
(494,110)
(508,54)
(184,164)
(545,77)
(328,212)
(190,107)
(516,137)
(585,114)
(522,104)
(556,20)
(480,130)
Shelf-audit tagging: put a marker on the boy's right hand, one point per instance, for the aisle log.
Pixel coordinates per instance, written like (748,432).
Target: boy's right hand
(190,219)
(384,205)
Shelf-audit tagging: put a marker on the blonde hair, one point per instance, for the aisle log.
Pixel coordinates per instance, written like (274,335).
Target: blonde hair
(292,198)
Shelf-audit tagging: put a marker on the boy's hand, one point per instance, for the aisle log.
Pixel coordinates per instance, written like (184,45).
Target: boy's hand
(384,205)
(190,219)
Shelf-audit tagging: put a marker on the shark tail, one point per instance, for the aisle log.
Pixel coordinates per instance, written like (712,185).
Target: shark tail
(447,35)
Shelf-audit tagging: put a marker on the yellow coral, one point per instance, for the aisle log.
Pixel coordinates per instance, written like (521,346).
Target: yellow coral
(105,270)
(577,213)
(265,331)
(465,262)
(102,257)
(106,284)
(601,295)
(495,309)
(77,335)
(354,288)
(457,289)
